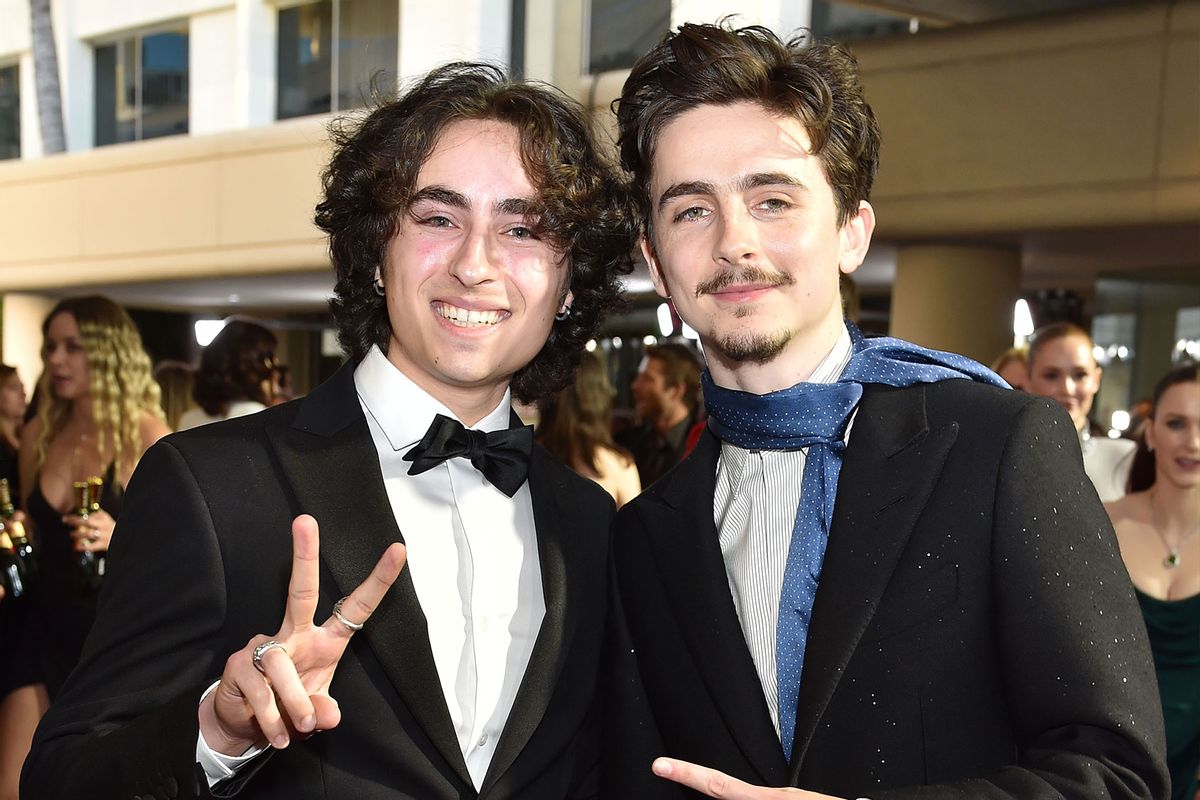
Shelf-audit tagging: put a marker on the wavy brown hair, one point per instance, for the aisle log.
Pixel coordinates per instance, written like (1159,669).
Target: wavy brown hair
(122,385)
(576,423)
(585,212)
(814,81)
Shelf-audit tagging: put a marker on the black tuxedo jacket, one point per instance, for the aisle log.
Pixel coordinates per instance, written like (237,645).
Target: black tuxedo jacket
(200,563)
(974,633)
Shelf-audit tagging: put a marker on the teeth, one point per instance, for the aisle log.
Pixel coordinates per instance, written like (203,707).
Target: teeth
(467,318)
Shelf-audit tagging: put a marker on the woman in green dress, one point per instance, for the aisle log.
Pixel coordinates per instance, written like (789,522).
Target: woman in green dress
(1158,528)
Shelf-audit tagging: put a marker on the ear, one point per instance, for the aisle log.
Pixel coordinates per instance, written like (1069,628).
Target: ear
(855,238)
(567,301)
(1148,433)
(656,275)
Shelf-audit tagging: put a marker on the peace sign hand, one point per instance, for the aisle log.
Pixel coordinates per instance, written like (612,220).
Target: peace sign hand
(287,691)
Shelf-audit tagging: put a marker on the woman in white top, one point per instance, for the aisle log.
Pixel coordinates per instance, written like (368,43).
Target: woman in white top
(1063,367)
(575,425)
(236,374)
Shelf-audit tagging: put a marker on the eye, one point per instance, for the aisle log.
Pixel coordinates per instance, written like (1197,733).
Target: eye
(436,221)
(690,214)
(775,205)
(521,232)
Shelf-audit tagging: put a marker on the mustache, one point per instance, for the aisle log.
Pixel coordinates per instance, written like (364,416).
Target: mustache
(750,274)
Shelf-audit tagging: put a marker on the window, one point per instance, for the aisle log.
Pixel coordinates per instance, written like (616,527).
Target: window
(313,75)
(620,31)
(142,87)
(10,112)
(849,21)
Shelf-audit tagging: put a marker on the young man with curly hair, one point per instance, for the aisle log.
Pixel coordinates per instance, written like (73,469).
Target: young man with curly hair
(477,238)
(880,573)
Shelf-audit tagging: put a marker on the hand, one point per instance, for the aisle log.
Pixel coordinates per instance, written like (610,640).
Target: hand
(92,533)
(291,695)
(718,784)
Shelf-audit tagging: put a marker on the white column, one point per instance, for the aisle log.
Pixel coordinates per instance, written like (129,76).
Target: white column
(213,103)
(432,33)
(254,79)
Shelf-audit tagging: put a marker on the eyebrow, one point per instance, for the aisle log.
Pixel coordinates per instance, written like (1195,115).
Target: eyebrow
(751,181)
(514,206)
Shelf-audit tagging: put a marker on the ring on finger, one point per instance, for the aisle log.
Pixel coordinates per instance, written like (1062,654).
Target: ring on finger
(261,651)
(92,535)
(337,614)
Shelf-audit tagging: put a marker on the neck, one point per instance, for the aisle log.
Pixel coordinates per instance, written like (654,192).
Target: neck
(81,413)
(793,364)
(1176,508)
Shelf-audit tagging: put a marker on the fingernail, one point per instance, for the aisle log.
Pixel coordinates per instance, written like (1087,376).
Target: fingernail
(281,741)
(661,767)
(308,723)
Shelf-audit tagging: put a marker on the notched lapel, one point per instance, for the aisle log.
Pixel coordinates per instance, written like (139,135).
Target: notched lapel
(684,538)
(892,463)
(330,461)
(554,502)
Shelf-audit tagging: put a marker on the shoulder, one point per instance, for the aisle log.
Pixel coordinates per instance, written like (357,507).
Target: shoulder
(151,428)
(30,433)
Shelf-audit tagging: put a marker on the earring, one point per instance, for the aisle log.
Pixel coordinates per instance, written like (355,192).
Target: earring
(379,287)
(563,314)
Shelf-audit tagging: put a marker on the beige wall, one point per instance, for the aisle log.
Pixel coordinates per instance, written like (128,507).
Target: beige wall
(1072,122)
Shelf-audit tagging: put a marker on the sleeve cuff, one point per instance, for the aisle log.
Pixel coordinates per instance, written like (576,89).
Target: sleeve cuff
(218,766)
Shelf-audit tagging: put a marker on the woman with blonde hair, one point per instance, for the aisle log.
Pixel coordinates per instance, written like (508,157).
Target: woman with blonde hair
(575,425)
(99,411)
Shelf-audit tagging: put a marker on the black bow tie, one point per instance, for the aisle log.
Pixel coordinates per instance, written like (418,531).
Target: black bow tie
(502,456)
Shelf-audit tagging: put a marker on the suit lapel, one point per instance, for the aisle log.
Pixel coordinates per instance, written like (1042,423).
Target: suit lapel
(684,539)
(554,501)
(330,461)
(892,463)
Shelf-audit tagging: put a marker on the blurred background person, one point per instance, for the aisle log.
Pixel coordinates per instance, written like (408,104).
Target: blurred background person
(237,374)
(98,411)
(12,417)
(576,426)
(1158,529)
(666,394)
(1062,366)
(175,383)
(1013,367)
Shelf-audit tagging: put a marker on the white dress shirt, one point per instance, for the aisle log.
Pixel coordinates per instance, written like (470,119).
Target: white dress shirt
(754,506)
(482,622)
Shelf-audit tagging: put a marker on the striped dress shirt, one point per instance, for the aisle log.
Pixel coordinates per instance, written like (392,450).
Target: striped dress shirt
(754,506)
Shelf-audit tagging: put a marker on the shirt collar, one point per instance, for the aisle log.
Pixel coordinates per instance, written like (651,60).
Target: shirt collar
(404,410)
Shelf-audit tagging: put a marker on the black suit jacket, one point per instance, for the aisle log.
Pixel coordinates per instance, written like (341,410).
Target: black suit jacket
(974,633)
(200,563)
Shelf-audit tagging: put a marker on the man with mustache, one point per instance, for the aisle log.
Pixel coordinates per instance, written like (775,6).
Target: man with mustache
(477,237)
(879,574)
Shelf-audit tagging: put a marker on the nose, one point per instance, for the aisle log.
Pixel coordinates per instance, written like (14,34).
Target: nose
(474,262)
(737,238)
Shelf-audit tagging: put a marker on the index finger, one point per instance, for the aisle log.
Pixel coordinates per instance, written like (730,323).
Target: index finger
(360,604)
(304,585)
(714,783)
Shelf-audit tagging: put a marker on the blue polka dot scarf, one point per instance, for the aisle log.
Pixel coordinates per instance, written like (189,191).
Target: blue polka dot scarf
(815,415)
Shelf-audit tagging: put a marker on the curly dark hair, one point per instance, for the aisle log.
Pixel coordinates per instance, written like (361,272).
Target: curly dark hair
(234,366)
(584,212)
(814,81)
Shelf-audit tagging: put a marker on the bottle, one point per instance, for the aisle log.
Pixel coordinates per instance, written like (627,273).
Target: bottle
(16,531)
(88,566)
(12,573)
(96,488)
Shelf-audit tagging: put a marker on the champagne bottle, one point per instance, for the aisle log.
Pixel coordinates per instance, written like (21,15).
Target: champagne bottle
(16,531)
(12,573)
(88,568)
(96,488)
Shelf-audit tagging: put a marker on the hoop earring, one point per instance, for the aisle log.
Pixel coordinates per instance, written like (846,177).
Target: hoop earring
(563,314)
(379,288)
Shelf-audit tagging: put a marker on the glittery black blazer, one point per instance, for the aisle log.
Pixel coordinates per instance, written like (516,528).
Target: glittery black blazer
(200,563)
(974,632)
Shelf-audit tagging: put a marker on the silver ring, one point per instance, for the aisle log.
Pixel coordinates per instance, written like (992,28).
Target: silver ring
(337,614)
(261,651)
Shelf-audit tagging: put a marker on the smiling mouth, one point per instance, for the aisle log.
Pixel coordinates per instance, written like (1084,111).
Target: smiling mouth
(468,317)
